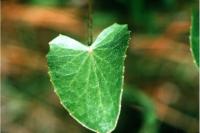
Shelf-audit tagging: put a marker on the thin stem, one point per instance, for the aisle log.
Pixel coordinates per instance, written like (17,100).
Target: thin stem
(90,22)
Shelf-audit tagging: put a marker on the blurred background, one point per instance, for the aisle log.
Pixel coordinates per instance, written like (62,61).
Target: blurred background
(161,80)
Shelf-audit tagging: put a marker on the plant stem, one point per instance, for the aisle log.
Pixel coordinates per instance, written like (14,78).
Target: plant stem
(90,23)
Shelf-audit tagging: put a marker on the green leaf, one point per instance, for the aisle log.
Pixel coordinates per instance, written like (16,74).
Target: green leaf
(194,38)
(89,79)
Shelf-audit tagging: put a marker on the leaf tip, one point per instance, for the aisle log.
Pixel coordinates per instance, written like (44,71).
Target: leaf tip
(121,25)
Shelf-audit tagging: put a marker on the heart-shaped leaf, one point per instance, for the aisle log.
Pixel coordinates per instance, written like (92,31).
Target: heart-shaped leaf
(194,38)
(89,79)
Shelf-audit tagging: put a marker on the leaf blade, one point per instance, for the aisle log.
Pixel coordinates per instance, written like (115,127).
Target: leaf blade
(194,36)
(89,80)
